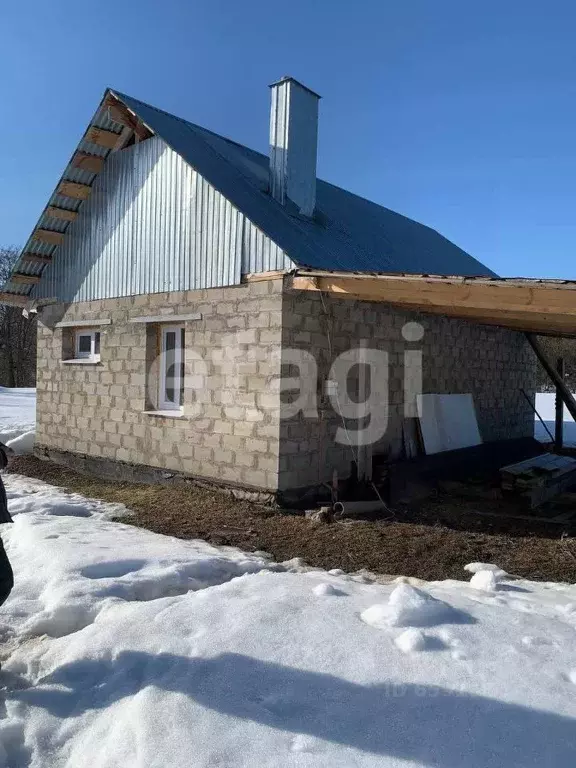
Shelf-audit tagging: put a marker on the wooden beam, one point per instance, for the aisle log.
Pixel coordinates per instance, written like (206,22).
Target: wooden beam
(26,279)
(13,298)
(48,236)
(526,307)
(71,189)
(101,137)
(91,163)
(531,298)
(255,277)
(123,139)
(60,213)
(120,113)
(36,258)
(548,366)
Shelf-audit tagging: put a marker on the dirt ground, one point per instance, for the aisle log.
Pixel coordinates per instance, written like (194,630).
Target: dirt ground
(434,541)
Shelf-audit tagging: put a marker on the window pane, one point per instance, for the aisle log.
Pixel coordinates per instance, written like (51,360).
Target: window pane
(170,366)
(85,344)
(170,340)
(182,346)
(97,343)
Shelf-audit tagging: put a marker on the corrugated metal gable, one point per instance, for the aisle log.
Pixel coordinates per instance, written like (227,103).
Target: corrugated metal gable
(152,224)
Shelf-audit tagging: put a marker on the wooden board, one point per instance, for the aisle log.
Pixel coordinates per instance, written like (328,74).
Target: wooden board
(27,279)
(71,189)
(540,478)
(101,137)
(61,213)
(48,236)
(120,113)
(86,162)
(13,298)
(544,307)
(36,258)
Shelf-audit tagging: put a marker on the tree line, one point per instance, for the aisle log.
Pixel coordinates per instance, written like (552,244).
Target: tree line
(555,348)
(17,334)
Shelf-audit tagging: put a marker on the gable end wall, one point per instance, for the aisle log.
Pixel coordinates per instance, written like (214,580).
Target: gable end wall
(153,224)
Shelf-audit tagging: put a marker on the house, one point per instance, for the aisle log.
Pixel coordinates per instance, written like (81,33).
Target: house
(177,274)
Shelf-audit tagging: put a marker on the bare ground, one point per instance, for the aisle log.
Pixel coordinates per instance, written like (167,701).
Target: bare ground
(434,541)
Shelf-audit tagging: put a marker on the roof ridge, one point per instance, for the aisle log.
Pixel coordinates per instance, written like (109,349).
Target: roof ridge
(188,123)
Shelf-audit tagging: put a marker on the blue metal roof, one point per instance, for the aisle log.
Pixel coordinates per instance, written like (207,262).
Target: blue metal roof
(348,233)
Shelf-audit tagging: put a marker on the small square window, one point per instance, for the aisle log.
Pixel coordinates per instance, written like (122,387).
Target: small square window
(88,345)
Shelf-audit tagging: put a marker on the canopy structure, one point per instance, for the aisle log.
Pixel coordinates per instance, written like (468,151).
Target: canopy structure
(545,307)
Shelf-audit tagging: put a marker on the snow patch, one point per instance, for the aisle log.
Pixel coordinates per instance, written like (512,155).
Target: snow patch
(23,443)
(60,621)
(324,590)
(18,418)
(410,607)
(411,640)
(495,569)
(485,581)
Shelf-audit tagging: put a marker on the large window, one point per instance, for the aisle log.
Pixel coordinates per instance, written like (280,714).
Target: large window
(171,396)
(87,345)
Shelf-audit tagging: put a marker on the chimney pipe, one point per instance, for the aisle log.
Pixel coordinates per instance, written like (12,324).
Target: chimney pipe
(293,144)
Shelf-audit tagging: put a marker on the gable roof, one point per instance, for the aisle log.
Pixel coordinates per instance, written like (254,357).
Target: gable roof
(348,232)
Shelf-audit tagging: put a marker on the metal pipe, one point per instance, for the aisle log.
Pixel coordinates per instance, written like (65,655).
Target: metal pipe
(559,421)
(356,508)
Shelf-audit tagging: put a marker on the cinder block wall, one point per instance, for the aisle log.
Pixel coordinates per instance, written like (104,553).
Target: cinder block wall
(232,430)
(98,410)
(458,357)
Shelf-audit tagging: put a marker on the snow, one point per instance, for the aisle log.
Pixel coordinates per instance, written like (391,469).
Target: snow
(411,640)
(409,606)
(121,647)
(484,580)
(326,590)
(546,407)
(475,567)
(17,418)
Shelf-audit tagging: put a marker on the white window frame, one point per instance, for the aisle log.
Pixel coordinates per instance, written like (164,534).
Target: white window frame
(92,355)
(164,404)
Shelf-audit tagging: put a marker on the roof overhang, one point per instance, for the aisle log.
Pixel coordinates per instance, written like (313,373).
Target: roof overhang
(546,307)
(113,127)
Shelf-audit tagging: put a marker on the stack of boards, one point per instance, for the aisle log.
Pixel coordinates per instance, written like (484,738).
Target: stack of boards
(539,479)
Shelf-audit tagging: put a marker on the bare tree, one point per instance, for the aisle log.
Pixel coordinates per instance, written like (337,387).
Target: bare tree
(557,347)
(17,335)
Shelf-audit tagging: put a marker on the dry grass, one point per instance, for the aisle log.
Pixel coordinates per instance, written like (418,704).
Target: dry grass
(435,547)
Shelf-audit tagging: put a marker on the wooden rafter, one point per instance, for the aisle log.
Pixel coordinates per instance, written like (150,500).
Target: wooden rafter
(91,163)
(71,189)
(13,298)
(48,236)
(61,213)
(102,138)
(17,277)
(523,306)
(120,113)
(36,258)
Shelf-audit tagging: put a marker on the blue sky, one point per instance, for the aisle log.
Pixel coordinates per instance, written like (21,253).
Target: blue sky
(460,115)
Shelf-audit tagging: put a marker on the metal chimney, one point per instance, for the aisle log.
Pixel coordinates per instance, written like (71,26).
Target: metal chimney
(293,144)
